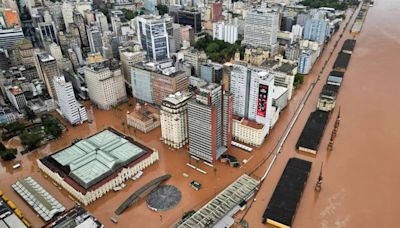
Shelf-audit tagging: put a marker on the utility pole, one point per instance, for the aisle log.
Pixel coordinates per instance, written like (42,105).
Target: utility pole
(318,186)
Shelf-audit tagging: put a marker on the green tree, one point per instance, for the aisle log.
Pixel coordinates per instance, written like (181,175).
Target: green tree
(298,80)
(2,147)
(30,140)
(30,115)
(162,9)
(8,154)
(15,126)
(52,126)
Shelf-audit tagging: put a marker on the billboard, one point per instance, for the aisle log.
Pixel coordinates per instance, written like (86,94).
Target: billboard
(262,100)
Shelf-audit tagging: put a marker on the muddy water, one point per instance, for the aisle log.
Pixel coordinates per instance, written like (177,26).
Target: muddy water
(361,175)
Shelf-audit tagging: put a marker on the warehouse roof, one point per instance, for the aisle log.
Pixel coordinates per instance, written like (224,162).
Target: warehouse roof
(330,90)
(91,160)
(217,208)
(313,130)
(283,204)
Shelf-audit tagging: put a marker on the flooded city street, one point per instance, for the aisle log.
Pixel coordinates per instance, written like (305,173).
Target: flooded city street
(361,176)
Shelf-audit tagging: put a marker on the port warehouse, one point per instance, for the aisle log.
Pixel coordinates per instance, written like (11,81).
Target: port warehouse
(314,128)
(219,211)
(10,215)
(285,199)
(91,167)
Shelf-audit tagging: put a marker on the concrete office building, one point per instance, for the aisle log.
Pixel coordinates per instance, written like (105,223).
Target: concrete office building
(128,60)
(47,33)
(94,38)
(47,68)
(297,31)
(70,108)
(160,80)
(225,32)
(174,120)
(55,51)
(211,72)
(210,123)
(153,36)
(239,87)
(195,58)
(306,61)
(16,97)
(67,12)
(105,84)
(115,158)
(261,29)
(101,21)
(9,37)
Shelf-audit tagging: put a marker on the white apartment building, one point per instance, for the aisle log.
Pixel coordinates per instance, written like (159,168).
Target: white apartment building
(239,87)
(70,108)
(101,21)
(261,28)
(297,31)
(106,86)
(249,132)
(174,120)
(225,32)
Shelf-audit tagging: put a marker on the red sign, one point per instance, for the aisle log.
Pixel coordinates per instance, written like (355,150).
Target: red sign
(262,100)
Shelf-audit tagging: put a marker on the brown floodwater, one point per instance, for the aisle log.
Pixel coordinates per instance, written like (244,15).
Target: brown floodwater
(361,174)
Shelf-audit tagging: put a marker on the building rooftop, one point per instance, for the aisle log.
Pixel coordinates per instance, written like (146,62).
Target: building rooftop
(15,90)
(349,45)
(44,57)
(165,68)
(95,159)
(286,68)
(75,217)
(144,113)
(342,61)
(215,210)
(38,198)
(177,98)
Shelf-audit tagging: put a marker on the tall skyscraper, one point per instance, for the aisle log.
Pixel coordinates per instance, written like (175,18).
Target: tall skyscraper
(47,68)
(70,108)
(239,88)
(153,36)
(261,28)
(67,12)
(94,38)
(106,85)
(47,33)
(174,119)
(210,123)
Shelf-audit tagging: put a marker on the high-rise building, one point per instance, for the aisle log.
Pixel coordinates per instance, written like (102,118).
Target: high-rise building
(47,68)
(11,18)
(305,61)
(174,120)
(210,123)
(211,72)
(9,37)
(105,84)
(70,108)
(94,38)
(79,21)
(239,88)
(101,21)
(55,51)
(190,17)
(150,5)
(67,12)
(297,31)
(47,33)
(161,81)
(316,30)
(251,90)
(261,28)
(225,32)
(217,11)
(195,58)
(153,36)
(128,60)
